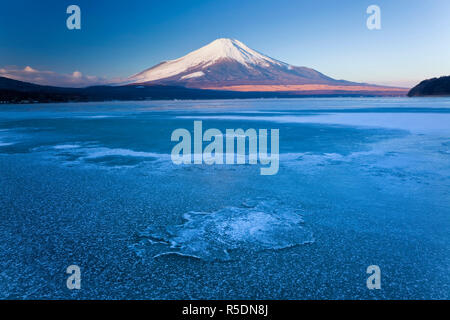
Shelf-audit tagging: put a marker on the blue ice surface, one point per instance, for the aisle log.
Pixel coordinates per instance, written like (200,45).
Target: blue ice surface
(362,181)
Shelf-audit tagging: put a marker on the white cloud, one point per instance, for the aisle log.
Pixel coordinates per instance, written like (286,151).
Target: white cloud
(51,78)
(77,74)
(29,69)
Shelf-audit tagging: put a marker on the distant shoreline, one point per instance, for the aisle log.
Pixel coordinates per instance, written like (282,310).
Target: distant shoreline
(19,92)
(355,96)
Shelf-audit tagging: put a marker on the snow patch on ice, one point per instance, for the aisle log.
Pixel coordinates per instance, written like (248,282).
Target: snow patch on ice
(66,146)
(254,226)
(102,152)
(97,117)
(4,144)
(5,134)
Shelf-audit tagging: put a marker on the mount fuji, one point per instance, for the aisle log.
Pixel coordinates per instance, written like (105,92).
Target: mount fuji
(228,64)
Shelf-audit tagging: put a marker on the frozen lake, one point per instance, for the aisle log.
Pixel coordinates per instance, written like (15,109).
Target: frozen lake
(361,181)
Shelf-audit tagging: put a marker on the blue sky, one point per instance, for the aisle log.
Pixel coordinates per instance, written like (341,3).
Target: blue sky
(120,38)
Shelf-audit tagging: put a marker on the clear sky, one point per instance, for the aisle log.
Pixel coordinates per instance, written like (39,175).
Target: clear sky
(120,38)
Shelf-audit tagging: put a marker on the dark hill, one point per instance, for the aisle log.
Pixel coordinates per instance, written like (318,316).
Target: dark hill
(432,87)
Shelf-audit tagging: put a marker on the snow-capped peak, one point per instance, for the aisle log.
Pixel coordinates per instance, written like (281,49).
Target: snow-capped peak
(217,50)
(230,49)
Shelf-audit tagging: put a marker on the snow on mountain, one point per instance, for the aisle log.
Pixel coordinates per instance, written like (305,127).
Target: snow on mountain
(227,62)
(207,56)
(193,75)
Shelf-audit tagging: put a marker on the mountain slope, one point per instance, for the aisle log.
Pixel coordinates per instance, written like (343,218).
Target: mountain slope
(227,64)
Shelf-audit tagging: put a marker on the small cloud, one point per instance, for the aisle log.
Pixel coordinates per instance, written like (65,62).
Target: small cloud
(29,69)
(51,78)
(77,74)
